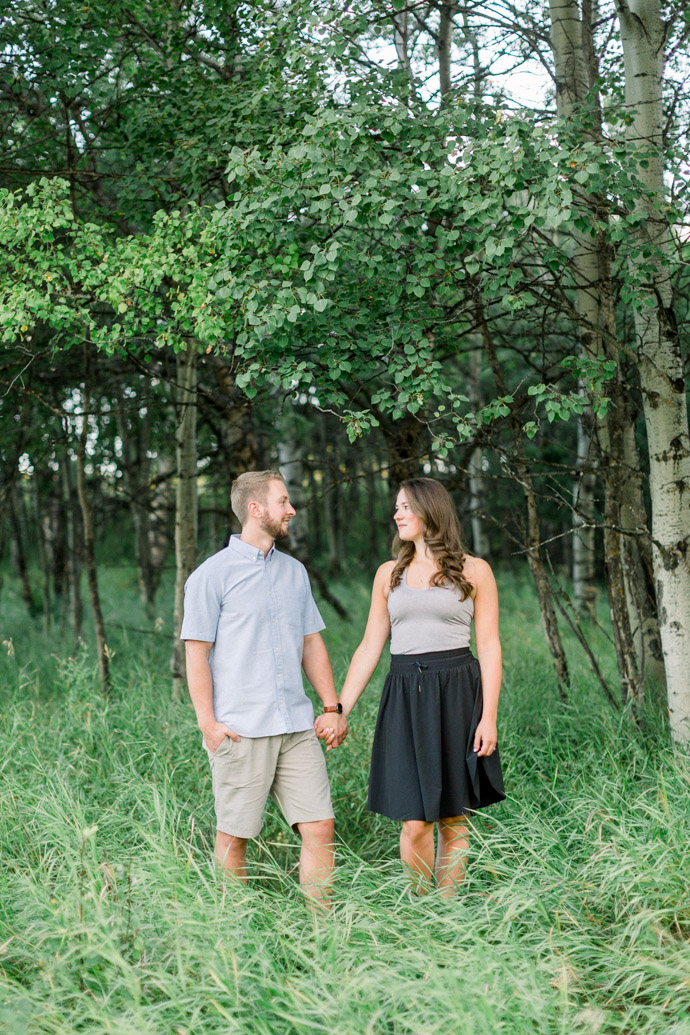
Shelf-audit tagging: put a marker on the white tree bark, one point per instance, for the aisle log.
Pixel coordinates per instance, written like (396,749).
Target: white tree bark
(659,357)
(573,87)
(444,42)
(291,462)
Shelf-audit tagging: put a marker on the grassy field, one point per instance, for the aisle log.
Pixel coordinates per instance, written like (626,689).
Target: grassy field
(574,918)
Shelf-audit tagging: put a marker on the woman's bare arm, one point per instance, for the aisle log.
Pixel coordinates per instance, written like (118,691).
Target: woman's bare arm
(367,656)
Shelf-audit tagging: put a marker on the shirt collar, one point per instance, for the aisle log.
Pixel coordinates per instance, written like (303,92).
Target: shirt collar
(249,551)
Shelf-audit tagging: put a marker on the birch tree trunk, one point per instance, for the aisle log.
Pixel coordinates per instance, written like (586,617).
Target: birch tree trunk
(573,92)
(136,475)
(185,502)
(633,614)
(444,42)
(660,364)
(89,539)
(291,463)
(626,533)
(73,551)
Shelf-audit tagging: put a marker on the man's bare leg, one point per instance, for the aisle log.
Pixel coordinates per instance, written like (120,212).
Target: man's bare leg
(317,861)
(230,853)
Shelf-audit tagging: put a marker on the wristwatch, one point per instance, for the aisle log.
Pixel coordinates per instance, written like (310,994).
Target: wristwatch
(333,708)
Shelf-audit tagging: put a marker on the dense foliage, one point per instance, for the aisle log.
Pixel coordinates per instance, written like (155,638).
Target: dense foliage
(351,222)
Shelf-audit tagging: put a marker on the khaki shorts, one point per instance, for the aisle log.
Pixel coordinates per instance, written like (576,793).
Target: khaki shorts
(290,767)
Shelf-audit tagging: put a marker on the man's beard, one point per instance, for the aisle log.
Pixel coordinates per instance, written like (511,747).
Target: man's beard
(276,529)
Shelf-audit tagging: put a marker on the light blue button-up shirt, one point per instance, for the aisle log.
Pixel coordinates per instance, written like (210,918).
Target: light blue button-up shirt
(256,611)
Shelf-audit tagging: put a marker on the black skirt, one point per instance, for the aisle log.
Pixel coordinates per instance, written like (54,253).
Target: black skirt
(423,765)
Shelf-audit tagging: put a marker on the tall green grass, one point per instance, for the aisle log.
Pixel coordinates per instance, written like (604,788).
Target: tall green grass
(574,918)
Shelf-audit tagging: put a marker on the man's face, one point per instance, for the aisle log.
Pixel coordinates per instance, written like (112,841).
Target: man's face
(277,511)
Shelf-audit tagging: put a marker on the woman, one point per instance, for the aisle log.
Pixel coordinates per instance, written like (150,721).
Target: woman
(434,755)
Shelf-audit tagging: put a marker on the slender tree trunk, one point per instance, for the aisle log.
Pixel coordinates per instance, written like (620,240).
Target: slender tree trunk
(290,459)
(533,544)
(615,556)
(407,440)
(44,553)
(637,626)
(72,597)
(89,540)
(475,474)
(400,39)
(643,34)
(291,464)
(162,509)
(444,42)
(315,524)
(232,414)
(584,557)
(185,502)
(575,90)
(328,485)
(639,569)
(575,62)
(18,535)
(339,491)
(10,474)
(136,472)
(374,550)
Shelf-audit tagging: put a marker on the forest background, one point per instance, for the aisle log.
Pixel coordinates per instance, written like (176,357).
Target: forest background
(360,242)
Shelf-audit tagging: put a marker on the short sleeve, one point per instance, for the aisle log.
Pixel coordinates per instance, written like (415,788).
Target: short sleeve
(202,606)
(312,620)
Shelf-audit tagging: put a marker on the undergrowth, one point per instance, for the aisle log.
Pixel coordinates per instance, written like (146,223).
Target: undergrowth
(574,917)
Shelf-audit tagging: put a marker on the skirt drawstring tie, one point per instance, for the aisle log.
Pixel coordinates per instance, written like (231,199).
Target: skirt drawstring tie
(420,668)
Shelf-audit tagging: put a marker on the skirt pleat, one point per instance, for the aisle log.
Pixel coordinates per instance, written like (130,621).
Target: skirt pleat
(423,765)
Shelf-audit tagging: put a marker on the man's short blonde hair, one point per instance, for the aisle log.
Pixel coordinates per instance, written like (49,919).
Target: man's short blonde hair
(251,487)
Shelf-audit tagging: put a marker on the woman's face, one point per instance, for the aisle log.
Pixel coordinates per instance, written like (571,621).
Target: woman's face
(409,525)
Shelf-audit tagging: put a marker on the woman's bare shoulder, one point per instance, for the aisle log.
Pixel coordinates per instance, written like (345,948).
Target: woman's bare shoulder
(382,581)
(384,571)
(477,571)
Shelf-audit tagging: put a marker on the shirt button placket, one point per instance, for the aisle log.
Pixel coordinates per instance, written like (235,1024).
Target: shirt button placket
(277,655)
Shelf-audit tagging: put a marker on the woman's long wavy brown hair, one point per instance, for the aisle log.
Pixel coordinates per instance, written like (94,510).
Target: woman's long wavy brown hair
(430,501)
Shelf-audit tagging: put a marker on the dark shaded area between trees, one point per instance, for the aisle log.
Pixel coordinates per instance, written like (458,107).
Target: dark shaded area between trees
(235,238)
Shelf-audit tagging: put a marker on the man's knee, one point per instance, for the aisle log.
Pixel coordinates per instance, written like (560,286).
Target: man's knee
(230,845)
(320,832)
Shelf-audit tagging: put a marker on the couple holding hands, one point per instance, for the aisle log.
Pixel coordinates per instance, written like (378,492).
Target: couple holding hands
(250,627)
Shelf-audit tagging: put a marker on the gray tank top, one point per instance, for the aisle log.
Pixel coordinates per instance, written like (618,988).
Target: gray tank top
(425,620)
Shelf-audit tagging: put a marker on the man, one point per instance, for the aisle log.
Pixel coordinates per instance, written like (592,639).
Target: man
(250,626)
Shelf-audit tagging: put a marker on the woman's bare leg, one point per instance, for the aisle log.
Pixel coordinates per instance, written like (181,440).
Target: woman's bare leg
(417,852)
(451,858)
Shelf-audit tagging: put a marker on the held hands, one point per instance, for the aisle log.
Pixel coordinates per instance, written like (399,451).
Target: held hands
(332,728)
(486,738)
(214,734)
